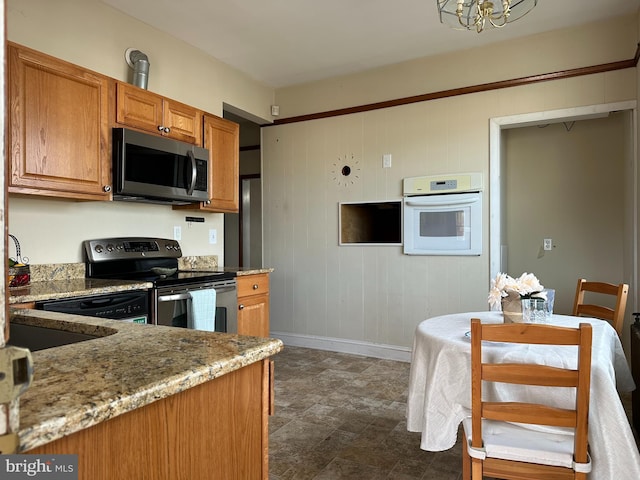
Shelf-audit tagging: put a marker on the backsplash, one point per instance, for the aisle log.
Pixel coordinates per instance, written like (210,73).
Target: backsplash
(204,262)
(56,271)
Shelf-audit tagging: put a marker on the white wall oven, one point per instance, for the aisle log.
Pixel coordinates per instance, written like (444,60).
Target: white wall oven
(443,215)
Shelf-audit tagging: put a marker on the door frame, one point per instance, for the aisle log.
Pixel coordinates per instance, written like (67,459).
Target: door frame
(496,154)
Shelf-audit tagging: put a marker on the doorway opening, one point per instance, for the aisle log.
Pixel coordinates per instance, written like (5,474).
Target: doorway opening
(574,174)
(243,230)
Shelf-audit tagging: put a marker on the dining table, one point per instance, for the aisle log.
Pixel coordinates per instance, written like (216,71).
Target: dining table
(440,386)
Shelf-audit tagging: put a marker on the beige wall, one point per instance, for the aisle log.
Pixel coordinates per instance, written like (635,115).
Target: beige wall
(95,36)
(593,44)
(377,295)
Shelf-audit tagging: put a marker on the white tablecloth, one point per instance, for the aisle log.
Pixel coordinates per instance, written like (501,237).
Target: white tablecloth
(440,387)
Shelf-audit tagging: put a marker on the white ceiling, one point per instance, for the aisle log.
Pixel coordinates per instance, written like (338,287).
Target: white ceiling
(287,42)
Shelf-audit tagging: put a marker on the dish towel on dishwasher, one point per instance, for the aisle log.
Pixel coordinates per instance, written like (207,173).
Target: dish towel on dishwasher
(204,309)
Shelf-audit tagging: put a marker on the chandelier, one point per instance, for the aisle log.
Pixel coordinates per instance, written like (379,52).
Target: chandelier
(478,14)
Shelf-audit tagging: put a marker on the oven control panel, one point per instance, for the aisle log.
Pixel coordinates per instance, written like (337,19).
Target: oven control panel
(126,248)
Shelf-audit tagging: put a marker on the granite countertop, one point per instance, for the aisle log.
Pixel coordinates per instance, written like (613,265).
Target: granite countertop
(247,270)
(67,281)
(79,385)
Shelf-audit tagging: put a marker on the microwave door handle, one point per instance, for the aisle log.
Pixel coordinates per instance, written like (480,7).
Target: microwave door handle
(194,172)
(174,297)
(438,203)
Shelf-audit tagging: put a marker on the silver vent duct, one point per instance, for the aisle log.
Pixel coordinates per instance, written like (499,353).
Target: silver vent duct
(140,64)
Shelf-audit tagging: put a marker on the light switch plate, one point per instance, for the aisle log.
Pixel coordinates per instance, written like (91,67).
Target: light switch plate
(177,233)
(213,236)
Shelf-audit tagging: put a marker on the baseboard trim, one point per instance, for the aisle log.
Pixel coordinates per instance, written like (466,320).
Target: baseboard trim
(376,350)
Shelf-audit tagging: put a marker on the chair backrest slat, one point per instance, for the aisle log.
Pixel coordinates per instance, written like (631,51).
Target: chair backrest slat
(531,413)
(532,333)
(541,375)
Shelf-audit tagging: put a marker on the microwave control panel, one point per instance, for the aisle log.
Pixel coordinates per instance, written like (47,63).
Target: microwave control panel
(437,184)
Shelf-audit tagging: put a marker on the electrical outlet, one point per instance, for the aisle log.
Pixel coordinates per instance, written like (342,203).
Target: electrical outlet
(386,160)
(547,244)
(177,233)
(213,236)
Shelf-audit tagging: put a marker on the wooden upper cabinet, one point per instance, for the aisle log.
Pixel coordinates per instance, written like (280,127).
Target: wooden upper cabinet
(222,139)
(58,135)
(139,108)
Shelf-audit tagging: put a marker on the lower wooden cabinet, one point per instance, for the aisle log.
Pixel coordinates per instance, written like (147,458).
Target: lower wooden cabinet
(217,430)
(253,305)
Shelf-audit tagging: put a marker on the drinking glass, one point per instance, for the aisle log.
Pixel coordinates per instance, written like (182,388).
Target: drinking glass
(534,310)
(550,295)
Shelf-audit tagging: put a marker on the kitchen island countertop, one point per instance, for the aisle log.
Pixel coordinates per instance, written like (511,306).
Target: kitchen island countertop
(80,385)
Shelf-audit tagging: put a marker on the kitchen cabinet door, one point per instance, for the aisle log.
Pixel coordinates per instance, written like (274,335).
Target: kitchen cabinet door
(253,305)
(58,135)
(140,108)
(222,139)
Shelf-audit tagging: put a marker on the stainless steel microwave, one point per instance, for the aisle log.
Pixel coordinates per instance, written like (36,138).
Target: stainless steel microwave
(148,168)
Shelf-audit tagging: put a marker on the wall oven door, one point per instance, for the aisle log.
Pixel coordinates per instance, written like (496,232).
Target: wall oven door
(210,306)
(447,224)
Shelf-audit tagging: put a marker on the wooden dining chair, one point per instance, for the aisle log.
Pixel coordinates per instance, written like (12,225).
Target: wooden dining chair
(494,445)
(615,315)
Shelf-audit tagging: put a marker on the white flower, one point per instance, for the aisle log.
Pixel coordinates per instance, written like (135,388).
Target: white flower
(525,285)
(528,283)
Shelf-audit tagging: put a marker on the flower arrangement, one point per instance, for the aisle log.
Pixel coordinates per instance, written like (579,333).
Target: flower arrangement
(526,285)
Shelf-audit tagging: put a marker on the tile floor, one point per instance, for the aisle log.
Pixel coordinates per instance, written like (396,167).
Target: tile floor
(342,416)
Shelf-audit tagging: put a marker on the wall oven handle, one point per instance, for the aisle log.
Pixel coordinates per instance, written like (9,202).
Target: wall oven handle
(194,172)
(439,202)
(174,297)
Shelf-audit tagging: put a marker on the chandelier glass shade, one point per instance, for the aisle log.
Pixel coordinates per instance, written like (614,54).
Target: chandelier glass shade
(480,14)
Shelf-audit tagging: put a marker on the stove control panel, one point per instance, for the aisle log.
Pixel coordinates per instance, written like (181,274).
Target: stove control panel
(126,248)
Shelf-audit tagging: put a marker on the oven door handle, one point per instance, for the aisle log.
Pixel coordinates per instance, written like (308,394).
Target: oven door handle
(174,297)
(220,290)
(439,203)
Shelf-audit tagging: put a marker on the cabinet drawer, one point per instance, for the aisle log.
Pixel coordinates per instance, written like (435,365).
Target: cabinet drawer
(253,284)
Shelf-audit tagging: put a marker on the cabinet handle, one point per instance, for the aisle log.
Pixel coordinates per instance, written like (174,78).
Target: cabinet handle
(160,128)
(241,307)
(255,286)
(106,188)
(167,129)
